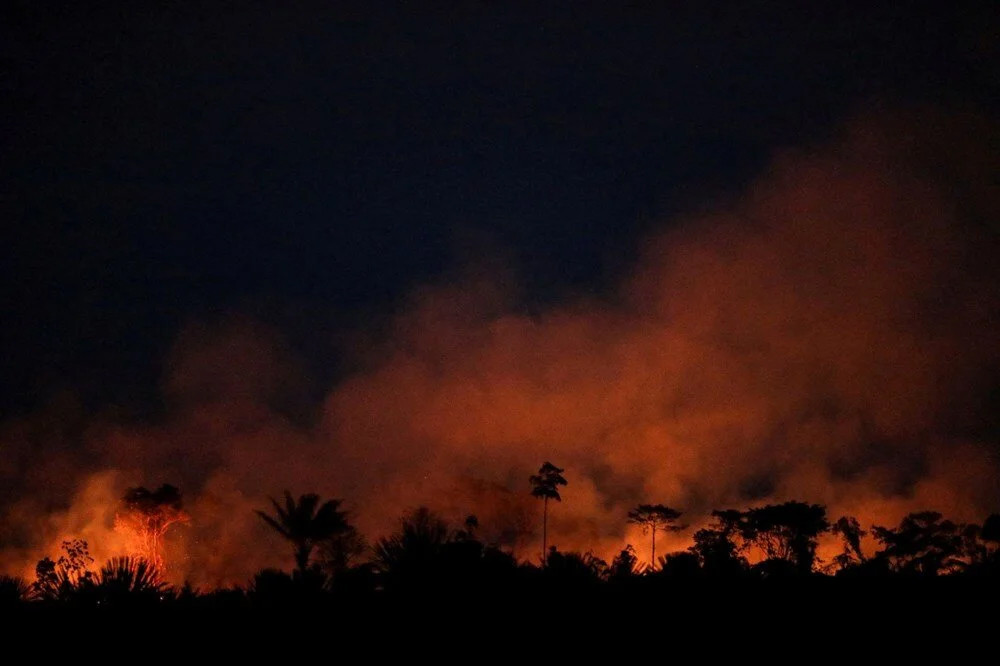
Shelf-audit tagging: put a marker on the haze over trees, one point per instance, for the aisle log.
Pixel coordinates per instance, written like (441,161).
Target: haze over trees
(427,558)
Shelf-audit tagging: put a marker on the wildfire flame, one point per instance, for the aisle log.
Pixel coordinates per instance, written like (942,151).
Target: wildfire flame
(145,517)
(829,336)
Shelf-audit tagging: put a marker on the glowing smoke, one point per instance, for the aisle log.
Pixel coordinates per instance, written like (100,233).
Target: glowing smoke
(830,336)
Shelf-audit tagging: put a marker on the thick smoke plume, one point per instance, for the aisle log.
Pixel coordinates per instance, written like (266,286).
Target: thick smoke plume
(830,335)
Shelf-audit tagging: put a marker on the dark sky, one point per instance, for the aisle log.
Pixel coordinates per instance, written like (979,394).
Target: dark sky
(309,164)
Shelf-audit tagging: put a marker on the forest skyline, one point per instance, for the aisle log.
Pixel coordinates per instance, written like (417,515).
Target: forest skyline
(698,259)
(333,564)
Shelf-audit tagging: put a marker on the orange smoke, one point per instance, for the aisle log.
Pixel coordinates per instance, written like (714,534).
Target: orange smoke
(829,336)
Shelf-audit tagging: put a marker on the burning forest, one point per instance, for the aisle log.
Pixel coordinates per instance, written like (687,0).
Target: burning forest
(829,337)
(396,369)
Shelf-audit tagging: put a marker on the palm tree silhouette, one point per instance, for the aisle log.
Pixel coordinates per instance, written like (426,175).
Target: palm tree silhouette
(305,525)
(545,485)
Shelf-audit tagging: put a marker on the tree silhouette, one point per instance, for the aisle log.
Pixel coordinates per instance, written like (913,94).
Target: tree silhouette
(849,530)
(546,484)
(413,553)
(653,517)
(786,531)
(306,523)
(428,558)
(716,546)
(923,544)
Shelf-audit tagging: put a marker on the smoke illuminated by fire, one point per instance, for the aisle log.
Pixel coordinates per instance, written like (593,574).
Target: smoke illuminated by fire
(829,336)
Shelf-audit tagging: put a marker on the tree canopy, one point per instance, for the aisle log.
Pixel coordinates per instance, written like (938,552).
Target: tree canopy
(546,483)
(306,523)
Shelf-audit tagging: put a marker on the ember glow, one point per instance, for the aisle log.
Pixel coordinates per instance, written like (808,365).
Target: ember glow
(145,517)
(830,335)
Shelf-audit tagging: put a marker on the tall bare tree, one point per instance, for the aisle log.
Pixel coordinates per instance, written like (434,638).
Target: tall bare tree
(546,484)
(654,517)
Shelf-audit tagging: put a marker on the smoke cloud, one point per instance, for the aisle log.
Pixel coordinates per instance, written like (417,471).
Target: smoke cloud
(828,335)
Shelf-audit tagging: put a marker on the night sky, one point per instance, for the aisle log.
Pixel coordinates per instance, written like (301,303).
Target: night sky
(309,164)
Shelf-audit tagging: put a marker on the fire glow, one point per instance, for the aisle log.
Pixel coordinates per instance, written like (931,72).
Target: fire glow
(145,517)
(828,337)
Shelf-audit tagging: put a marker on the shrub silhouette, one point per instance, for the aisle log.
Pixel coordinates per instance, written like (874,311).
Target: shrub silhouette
(129,580)
(413,554)
(67,579)
(14,590)
(625,566)
(573,569)
(680,566)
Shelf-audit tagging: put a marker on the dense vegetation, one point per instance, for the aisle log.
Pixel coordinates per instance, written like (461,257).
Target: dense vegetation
(428,558)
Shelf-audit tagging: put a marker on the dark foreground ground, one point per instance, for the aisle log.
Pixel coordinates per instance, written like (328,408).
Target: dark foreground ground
(787,621)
